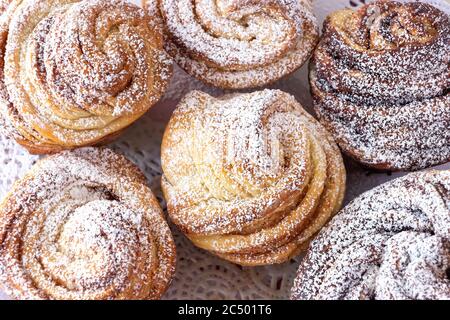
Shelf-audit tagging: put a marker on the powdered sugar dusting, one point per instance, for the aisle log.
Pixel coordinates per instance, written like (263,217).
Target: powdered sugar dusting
(392,242)
(380,83)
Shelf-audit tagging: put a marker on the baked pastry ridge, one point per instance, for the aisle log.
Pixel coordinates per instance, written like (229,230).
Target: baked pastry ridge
(249,177)
(82,225)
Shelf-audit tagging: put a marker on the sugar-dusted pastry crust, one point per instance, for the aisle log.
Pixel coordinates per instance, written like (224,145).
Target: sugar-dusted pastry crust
(4,5)
(237,44)
(76,73)
(380,82)
(392,242)
(83,224)
(250,177)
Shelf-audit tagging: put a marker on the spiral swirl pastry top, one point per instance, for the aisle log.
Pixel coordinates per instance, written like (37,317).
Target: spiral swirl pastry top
(237,43)
(380,81)
(75,73)
(84,225)
(249,177)
(392,242)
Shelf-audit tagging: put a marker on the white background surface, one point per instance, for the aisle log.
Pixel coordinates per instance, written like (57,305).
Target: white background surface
(200,275)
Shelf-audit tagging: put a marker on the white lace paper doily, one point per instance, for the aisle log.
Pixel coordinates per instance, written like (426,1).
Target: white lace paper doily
(200,275)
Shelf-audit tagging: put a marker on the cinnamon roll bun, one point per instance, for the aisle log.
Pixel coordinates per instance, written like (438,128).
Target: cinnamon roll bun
(380,81)
(235,44)
(84,225)
(392,242)
(76,73)
(249,177)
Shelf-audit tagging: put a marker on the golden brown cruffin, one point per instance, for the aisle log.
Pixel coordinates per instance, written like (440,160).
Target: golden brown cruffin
(250,177)
(82,225)
(76,73)
(235,44)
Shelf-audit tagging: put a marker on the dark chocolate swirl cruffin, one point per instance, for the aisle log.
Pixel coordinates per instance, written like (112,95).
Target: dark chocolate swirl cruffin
(392,242)
(380,79)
